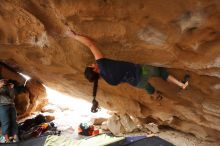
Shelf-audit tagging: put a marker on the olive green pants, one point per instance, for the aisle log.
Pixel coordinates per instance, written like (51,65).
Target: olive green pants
(148,71)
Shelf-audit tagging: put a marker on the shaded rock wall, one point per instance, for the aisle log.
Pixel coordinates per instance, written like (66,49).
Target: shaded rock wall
(180,35)
(32,100)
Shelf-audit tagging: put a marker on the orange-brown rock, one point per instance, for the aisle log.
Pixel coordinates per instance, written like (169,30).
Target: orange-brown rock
(37,97)
(183,36)
(99,121)
(22,102)
(49,118)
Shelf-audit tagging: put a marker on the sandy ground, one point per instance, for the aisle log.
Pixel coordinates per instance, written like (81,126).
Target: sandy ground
(70,112)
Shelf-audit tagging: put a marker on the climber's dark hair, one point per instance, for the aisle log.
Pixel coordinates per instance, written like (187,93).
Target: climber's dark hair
(90,74)
(93,77)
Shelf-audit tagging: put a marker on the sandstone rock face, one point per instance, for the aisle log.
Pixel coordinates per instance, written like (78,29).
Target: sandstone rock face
(120,124)
(183,36)
(36,99)
(22,102)
(127,123)
(115,126)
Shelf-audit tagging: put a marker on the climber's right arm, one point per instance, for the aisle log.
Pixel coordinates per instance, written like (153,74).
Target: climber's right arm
(87,42)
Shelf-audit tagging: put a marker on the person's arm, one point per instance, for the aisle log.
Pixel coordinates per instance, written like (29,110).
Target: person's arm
(87,42)
(11,90)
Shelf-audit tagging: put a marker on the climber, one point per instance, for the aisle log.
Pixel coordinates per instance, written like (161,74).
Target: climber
(115,72)
(8,111)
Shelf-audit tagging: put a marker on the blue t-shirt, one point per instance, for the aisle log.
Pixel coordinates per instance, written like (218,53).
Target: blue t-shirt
(115,72)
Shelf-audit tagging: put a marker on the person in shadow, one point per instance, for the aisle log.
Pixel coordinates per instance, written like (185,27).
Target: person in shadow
(7,110)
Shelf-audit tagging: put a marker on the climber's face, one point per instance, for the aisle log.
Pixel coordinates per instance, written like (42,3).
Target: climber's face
(2,82)
(95,67)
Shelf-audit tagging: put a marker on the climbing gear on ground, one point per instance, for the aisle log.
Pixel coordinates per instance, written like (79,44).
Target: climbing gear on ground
(87,130)
(27,124)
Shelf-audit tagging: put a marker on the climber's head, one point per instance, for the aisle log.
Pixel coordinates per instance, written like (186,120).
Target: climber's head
(92,72)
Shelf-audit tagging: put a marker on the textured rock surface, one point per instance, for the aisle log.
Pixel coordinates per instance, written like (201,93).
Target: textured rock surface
(120,124)
(115,126)
(36,98)
(181,35)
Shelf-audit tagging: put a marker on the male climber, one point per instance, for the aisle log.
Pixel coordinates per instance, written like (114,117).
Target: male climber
(115,72)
